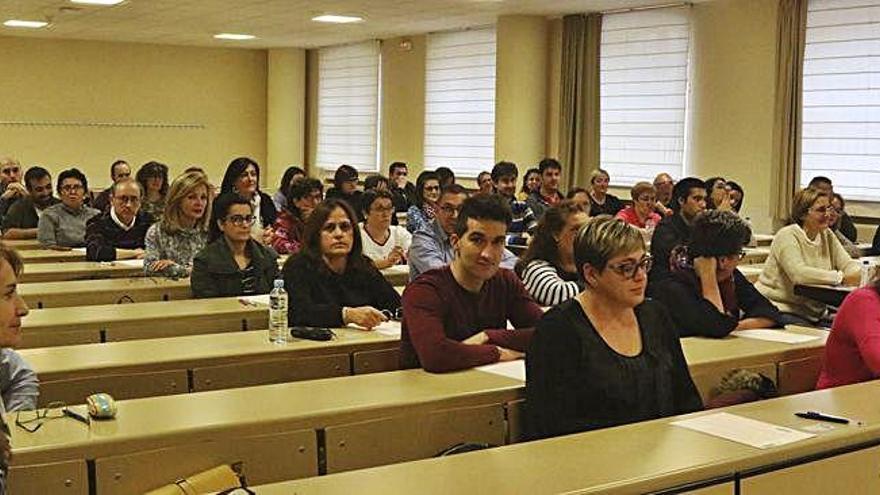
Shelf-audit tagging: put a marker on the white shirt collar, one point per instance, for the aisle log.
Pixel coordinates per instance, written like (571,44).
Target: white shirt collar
(117,221)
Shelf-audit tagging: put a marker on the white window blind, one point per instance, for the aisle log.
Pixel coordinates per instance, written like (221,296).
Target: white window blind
(841,97)
(348,106)
(643,70)
(460,101)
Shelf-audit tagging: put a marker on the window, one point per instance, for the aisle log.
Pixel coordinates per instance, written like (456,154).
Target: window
(841,97)
(643,69)
(348,106)
(460,101)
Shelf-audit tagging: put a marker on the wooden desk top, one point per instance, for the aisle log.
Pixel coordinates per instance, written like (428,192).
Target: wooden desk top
(397,275)
(655,454)
(50,256)
(22,244)
(701,353)
(78,270)
(756,255)
(52,363)
(828,294)
(173,420)
(106,291)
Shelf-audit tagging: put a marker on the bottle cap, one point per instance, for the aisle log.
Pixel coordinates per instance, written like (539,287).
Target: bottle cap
(279,284)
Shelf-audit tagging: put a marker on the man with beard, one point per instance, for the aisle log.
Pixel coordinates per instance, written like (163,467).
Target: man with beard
(21,220)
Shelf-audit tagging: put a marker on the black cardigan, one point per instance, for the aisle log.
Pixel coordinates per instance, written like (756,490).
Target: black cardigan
(695,316)
(317,295)
(216,274)
(670,233)
(575,382)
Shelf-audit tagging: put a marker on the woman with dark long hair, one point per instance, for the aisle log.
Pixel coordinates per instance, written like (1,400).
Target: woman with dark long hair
(243,178)
(421,214)
(153,178)
(280,196)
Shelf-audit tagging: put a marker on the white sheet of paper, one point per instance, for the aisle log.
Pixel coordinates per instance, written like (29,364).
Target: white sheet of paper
(775,336)
(79,250)
(137,263)
(744,430)
(259,299)
(510,369)
(389,328)
(397,269)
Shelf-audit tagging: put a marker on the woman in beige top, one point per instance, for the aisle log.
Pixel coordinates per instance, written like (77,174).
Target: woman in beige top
(806,252)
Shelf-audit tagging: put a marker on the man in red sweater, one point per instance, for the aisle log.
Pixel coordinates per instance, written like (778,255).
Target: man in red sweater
(456,317)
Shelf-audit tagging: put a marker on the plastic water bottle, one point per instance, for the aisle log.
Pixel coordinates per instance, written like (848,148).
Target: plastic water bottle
(867,274)
(278,314)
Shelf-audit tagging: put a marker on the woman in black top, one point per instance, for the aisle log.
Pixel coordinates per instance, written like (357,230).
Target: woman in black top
(243,177)
(602,203)
(233,263)
(330,282)
(345,187)
(706,295)
(607,357)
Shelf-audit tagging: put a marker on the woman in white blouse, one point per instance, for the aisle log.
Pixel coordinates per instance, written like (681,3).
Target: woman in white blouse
(806,252)
(384,243)
(547,268)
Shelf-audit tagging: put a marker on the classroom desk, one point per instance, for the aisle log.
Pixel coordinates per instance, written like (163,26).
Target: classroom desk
(397,275)
(113,322)
(761,240)
(79,270)
(652,456)
(195,363)
(108,291)
(756,255)
(832,295)
(22,244)
(33,256)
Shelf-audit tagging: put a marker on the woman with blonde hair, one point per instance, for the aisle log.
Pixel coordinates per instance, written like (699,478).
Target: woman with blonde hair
(806,252)
(172,243)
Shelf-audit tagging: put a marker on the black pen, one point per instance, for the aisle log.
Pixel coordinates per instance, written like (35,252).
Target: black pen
(822,417)
(75,415)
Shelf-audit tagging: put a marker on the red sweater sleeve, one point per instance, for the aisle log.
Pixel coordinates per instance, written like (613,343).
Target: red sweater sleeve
(862,315)
(424,309)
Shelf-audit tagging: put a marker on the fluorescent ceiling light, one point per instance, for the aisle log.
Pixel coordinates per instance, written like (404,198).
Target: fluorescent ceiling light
(98,2)
(25,24)
(233,36)
(337,19)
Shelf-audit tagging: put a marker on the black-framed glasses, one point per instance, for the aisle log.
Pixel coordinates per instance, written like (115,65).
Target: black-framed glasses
(70,188)
(396,315)
(450,210)
(344,226)
(629,269)
(31,421)
(242,220)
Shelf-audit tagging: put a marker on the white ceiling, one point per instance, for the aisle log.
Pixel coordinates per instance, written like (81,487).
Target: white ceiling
(277,23)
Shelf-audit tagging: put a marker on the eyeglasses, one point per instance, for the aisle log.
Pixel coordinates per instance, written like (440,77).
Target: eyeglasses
(70,188)
(395,315)
(241,220)
(629,269)
(31,421)
(382,209)
(431,188)
(128,199)
(330,227)
(822,209)
(450,210)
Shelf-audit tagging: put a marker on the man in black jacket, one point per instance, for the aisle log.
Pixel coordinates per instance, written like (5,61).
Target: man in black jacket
(688,200)
(120,231)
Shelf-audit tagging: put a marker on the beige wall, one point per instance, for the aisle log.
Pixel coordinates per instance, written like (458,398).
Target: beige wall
(222,89)
(554,82)
(732,85)
(286,96)
(521,90)
(403,103)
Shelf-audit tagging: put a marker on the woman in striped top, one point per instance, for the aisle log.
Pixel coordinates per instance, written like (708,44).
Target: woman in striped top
(547,268)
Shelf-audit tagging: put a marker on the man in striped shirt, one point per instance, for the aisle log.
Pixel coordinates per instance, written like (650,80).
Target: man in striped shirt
(523,223)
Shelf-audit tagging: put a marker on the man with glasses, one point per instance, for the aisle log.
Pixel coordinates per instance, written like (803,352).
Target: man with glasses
(455,317)
(118,170)
(706,295)
(431,247)
(119,233)
(688,200)
(11,188)
(664,183)
(63,226)
(23,216)
(403,192)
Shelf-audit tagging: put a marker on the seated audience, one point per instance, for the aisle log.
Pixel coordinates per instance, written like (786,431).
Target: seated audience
(706,295)
(717,194)
(304,194)
(852,352)
(23,216)
(737,195)
(403,191)
(456,317)
(11,188)
(641,213)
(63,225)
(484,183)
(243,178)
(153,178)
(384,243)
(431,247)
(603,203)
(330,282)
(376,182)
(531,183)
(845,225)
(446,176)
(279,199)
(120,232)
(233,263)
(19,387)
(834,213)
(421,213)
(523,223)
(548,193)
(547,267)
(172,242)
(580,196)
(663,184)
(118,170)
(609,356)
(806,252)
(345,187)
(688,199)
